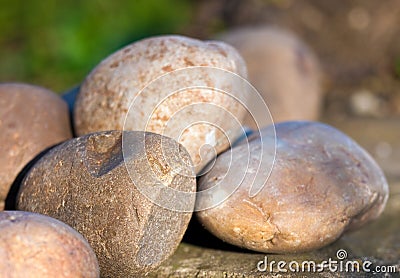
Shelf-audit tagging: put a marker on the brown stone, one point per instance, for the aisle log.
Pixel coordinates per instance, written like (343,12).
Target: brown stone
(322,184)
(95,186)
(283,69)
(172,105)
(34,245)
(31,119)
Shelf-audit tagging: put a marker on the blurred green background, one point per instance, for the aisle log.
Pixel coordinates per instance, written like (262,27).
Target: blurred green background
(55,43)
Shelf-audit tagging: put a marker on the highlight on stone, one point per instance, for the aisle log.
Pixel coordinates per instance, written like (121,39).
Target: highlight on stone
(195,97)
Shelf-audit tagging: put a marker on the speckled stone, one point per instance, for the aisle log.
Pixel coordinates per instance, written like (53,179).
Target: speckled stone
(85,183)
(34,245)
(31,119)
(283,69)
(108,91)
(321,185)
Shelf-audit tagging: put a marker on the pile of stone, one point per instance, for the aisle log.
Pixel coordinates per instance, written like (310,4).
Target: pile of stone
(165,127)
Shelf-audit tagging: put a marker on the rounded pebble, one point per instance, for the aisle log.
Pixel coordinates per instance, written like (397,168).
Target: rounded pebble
(85,183)
(34,245)
(283,69)
(105,97)
(31,119)
(322,184)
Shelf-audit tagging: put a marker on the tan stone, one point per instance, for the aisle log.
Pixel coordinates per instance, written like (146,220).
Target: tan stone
(321,185)
(34,245)
(168,107)
(31,119)
(283,69)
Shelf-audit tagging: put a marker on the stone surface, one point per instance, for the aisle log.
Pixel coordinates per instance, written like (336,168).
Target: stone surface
(108,92)
(322,184)
(34,245)
(31,119)
(202,255)
(85,183)
(284,71)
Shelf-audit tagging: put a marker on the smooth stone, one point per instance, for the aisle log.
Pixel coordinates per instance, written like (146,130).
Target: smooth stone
(107,93)
(35,245)
(321,185)
(379,241)
(283,69)
(85,183)
(31,119)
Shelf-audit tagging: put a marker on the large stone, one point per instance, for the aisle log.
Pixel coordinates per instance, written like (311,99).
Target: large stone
(34,245)
(176,105)
(95,186)
(203,255)
(284,71)
(321,185)
(31,119)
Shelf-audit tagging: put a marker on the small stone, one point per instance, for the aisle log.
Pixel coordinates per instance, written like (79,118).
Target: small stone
(95,186)
(322,184)
(31,119)
(284,71)
(190,113)
(34,245)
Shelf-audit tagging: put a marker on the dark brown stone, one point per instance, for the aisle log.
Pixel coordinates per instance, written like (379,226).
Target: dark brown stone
(31,119)
(85,183)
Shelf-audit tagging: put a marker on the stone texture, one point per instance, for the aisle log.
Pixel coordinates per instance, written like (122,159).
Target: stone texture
(108,92)
(34,245)
(284,71)
(203,255)
(321,185)
(85,183)
(31,119)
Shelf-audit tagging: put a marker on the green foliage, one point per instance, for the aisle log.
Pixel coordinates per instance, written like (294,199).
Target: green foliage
(55,43)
